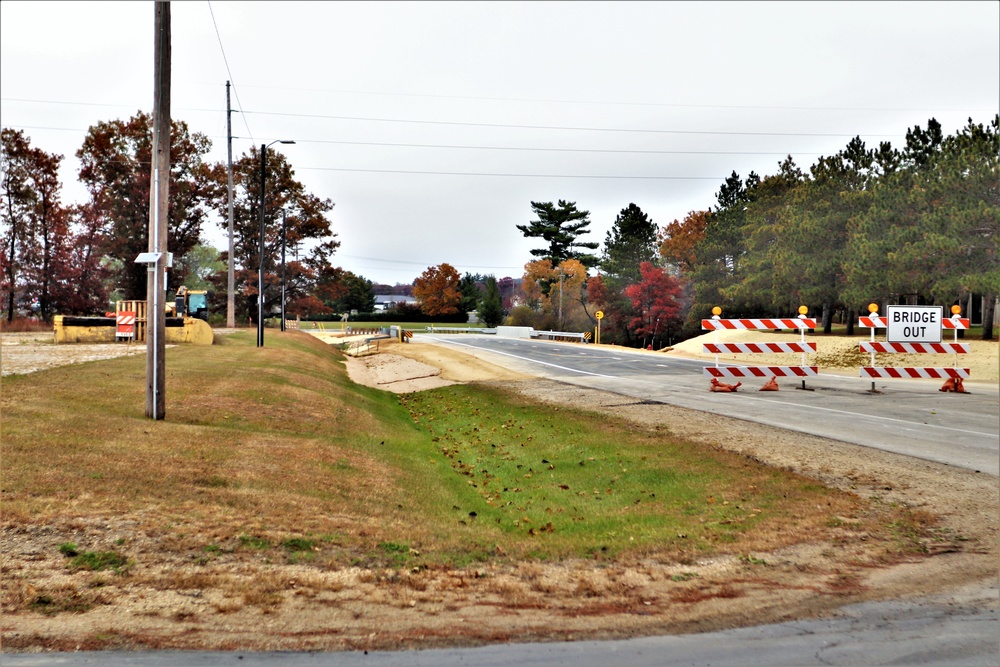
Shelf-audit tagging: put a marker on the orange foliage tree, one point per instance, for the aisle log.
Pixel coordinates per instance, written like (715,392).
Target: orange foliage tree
(678,239)
(437,289)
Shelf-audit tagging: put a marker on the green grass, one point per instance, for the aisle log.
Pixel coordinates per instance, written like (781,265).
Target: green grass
(262,449)
(551,482)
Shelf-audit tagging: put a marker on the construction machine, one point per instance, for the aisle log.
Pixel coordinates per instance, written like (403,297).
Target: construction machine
(189,303)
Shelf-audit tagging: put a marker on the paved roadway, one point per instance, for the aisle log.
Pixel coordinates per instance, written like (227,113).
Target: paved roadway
(932,632)
(908,417)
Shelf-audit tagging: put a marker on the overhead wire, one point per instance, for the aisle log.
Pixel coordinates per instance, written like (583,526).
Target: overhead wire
(602,102)
(236,93)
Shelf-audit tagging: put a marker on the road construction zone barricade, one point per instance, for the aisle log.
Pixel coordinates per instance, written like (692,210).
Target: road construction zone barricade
(915,322)
(773,372)
(125,324)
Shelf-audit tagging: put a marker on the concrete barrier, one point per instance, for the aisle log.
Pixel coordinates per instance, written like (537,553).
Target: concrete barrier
(71,329)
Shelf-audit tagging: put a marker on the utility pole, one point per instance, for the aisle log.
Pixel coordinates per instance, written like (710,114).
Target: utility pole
(156,315)
(283,223)
(230,299)
(561,275)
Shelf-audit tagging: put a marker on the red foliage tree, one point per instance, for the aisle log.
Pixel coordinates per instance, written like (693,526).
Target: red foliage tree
(656,299)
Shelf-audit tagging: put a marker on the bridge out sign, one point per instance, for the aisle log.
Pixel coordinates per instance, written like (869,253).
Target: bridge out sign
(914,324)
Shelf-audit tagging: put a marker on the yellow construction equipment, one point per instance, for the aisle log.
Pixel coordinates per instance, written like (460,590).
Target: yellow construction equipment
(189,303)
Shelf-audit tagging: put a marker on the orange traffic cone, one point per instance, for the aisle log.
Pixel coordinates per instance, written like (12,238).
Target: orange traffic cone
(770,385)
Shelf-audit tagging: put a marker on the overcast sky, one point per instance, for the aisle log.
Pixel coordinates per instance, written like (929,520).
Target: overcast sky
(432,126)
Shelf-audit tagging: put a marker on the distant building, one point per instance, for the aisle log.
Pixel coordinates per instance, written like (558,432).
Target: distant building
(390,301)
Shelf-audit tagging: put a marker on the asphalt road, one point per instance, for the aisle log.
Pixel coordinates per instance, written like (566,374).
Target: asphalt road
(932,632)
(908,417)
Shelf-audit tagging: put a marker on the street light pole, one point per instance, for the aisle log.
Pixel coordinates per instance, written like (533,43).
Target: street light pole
(260,268)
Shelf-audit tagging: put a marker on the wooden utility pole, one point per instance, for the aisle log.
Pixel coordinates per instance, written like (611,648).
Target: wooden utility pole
(159,197)
(231,299)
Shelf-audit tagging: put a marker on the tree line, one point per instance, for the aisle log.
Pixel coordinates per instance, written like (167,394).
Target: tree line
(78,259)
(885,225)
(865,225)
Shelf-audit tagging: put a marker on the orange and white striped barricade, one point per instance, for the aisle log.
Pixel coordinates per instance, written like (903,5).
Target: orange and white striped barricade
(125,324)
(801,323)
(953,376)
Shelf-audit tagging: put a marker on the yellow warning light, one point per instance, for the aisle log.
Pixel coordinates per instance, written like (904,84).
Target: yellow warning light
(872,307)
(956,310)
(803,310)
(716,311)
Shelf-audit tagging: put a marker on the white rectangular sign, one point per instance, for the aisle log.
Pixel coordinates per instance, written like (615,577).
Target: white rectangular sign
(914,324)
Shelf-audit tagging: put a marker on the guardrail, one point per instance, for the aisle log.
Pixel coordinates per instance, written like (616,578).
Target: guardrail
(560,335)
(472,330)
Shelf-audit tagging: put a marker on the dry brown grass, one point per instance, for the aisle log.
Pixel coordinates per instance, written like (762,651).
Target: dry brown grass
(275,489)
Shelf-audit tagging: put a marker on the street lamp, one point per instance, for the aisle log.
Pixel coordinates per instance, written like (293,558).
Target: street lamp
(260,269)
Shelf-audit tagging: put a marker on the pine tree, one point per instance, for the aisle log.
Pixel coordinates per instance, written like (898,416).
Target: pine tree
(560,227)
(630,242)
(491,308)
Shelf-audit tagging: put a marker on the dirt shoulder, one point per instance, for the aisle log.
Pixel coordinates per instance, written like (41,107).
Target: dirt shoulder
(225,601)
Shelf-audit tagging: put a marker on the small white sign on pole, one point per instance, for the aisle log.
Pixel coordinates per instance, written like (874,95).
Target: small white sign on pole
(914,324)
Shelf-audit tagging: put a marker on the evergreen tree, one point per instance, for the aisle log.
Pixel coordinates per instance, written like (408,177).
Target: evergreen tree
(491,308)
(471,295)
(630,242)
(560,227)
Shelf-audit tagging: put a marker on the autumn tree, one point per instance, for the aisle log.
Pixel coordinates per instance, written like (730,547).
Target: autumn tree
(677,241)
(438,291)
(656,301)
(34,226)
(288,204)
(630,242)
(87,282)
(115,164)
(560,227)
(564,303)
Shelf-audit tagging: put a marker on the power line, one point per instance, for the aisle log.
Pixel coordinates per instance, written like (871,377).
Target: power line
(544,149)
(239,104)
(604,103)
(491,148)
(559,127)
(466,173)
(497,125)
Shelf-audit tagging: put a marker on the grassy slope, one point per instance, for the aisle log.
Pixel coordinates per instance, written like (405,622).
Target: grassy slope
(263,447)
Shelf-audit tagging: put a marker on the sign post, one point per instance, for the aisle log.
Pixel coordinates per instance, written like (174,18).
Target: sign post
(600,316)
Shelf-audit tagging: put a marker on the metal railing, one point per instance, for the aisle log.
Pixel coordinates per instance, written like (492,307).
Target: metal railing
(560,335)
(472,330)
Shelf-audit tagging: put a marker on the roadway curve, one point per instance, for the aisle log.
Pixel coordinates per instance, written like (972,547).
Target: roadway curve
(909,417)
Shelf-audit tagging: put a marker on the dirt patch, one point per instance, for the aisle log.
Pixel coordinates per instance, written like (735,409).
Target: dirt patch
(22,353)
(408,367)
(228,599)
